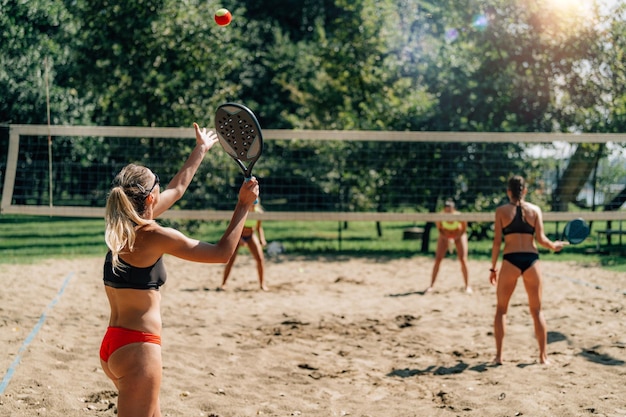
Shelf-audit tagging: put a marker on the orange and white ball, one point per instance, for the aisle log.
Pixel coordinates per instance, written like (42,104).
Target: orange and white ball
(223,17)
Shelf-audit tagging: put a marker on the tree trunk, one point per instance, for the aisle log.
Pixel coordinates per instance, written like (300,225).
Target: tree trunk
(617,202)
(580,166)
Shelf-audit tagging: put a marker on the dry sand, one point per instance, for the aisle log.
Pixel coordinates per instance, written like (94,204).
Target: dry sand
(334,337)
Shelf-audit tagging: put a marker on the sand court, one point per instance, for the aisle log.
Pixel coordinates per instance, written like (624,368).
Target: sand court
(334,336)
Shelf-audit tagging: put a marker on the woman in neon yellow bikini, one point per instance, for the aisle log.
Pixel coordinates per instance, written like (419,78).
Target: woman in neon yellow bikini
(451,234)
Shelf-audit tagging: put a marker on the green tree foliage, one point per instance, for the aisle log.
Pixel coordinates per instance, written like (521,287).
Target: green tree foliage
(507,66)
(614,69)
(588,92)
(32,58)
(342,72)
(34,68)
(425,65)
(161,63)
(156,62)
(387,65)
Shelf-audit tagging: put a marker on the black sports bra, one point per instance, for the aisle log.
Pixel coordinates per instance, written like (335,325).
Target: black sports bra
(518,225)
(128,276)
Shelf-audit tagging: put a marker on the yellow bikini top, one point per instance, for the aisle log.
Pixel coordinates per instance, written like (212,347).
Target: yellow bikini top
(451,225)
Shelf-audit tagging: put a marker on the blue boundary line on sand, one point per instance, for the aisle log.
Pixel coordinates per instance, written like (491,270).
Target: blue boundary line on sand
(31,336)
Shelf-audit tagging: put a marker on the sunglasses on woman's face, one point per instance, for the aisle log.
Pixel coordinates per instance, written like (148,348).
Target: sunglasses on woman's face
(156,182)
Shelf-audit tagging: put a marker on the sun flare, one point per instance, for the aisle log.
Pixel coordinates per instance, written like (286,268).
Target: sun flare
(570,4)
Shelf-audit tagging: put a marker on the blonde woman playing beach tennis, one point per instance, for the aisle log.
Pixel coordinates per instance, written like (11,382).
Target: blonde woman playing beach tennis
(520,223)
(451,234)
(130,353)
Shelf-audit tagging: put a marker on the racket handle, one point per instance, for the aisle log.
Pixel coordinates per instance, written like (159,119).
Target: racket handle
(248,179)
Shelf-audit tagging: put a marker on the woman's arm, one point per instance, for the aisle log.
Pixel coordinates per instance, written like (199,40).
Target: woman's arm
(178,185)
(495,248)
(540,235)
(175,243)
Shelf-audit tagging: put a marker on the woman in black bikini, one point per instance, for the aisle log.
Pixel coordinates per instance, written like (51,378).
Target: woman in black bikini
(130,353)
(520,223)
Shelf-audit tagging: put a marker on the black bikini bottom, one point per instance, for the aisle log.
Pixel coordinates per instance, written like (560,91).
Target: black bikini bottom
(521,260)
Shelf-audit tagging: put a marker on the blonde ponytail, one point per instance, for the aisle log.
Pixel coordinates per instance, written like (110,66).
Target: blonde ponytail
(124,207)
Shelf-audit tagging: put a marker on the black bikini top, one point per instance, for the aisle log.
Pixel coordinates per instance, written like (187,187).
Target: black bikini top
(518,225)
(128,276)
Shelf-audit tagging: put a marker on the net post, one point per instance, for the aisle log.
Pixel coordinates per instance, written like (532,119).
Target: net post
(11,168)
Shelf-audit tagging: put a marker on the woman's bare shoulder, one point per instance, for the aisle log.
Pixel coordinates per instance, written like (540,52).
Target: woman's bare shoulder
(156,229)
(532,207)
(506,207)
(158,233)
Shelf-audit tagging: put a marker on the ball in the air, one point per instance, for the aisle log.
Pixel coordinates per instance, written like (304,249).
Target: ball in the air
(223,17)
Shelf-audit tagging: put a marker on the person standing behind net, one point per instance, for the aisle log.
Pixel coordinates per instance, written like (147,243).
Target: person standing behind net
(253,237)
(451,234)
(130,353)
(520,223)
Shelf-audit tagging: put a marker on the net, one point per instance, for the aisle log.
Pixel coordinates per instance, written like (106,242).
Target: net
(316,175)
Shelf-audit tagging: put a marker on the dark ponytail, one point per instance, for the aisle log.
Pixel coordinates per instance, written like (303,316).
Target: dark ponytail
(516,185)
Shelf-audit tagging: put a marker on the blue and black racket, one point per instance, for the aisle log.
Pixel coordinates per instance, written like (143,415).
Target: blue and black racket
(576,231)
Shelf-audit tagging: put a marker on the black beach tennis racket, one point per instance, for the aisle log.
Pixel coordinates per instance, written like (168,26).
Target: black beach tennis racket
(240,135)
(576,231)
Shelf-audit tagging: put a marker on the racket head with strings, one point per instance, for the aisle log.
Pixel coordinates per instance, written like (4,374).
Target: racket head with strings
(576,231)
(240,135)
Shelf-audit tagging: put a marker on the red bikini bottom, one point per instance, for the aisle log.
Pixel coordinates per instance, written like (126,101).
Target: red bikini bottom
(116,337)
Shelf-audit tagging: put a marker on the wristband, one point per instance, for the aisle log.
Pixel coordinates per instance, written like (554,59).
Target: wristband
(493,270)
